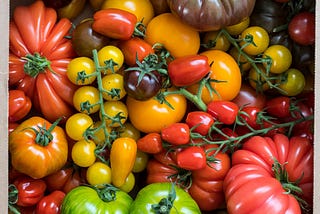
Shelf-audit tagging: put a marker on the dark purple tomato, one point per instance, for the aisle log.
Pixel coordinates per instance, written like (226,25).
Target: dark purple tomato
(302,28)
(56,4)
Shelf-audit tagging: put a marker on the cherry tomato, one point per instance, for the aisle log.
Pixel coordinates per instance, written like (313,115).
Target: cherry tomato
(141,161)
(212,40)
(83,154)
(129,183)
(85,99)
(257,79)
(115,113)
(181,41)
(19,105)
(301,28)
(224,111)
(281,58)
(98,173)
(249,97)
(143,114)
(202,120)
(224,69)
(176,134)
(50,204)
(110,57)
(151,143)
(128,130)
(113,87)
(142,9)
(259,37)
(249,114)
(81,66)
(238,28)
(192,158)
(99,136)
(291,82)
(77,124)
(279,106)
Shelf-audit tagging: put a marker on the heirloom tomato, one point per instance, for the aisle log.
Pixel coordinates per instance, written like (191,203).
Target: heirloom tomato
(143,114)
(291,82)
(111,57)
(164,198)
(275,171)
(19,105)
(86,199)
(281,58)
(176,37)
(51,203)
(38,59)
(37,147)
(142,9)
(226,73)
(151,143)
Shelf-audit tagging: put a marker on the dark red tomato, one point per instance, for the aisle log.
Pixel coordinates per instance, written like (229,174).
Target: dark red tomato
(50,204)
(135,49)
(301,28)
(247,96)
(19,105)
(108,21)
(224,111)
(200,121)
(279,106)
(151,143)
(191,158)
(249,114)
(188,70)
(176,134)
(30,190)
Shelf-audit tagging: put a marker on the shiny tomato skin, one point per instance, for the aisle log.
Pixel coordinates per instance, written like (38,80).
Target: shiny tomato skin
(278,106)
(86,94)
(191,158)
(19,105)
(247,96)
(301,28)
(292,82)
(260,38)
(142,114)
(223,111)
(249,115)
(151,143)
(202,120)
(50,204)
(176,134)
(281,58)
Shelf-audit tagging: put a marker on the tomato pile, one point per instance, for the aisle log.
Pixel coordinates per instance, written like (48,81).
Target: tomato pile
(143,107)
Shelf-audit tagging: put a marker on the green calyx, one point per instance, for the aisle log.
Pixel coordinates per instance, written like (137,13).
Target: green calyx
(36,64)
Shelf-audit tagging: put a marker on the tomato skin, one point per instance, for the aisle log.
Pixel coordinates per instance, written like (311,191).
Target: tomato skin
(98,174)
(86,94)
(301,28)
(202,120)
(260,38)
(77,124)
(122,157)
(19,105)
(108,21)
(83,153)
(51,203)
(176,134)
(250,115)
(182,40)
(31,156)
(191,158)
(30,190)
(188,70)
(151,143)
(281,58)
(142,114)
(279,106)
(153,193)
(84,199)
(247,96)
(292,83)
(223,111)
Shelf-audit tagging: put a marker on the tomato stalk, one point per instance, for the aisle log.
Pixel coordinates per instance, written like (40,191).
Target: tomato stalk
(13,198)
(107,193)
(165,204)
(36,64)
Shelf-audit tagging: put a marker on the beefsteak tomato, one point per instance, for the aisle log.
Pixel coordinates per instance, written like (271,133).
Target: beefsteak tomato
(38,59)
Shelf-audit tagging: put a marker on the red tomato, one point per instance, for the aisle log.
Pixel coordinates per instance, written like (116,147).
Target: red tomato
(263,167)
(249,115)
(191,158)
(176,134)
(247,96)
(19,105)
(279,106)
(202,120)
(224,111)
(301,28)
(151,143)
(50,204)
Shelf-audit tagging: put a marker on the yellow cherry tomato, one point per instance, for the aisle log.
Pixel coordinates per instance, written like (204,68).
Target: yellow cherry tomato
(111,58)
(280,56)
(141,161)
(81,67)
(77,124)
(129,183)
(113,87)
(116,113)
(85,99)
(291,82)
(257,80)
(214,40)
(236,29)
(83,153)
(259,38)
(98,174)
(99,136)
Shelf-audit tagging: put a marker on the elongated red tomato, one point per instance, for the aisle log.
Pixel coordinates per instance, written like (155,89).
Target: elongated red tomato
(224,111)
(201,120)
(19,105)
(38,58)
(192,158)
(50,204)
(176,134)
(151,143)
(114,23)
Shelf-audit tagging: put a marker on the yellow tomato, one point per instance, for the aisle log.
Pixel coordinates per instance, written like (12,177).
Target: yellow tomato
(83,153)
(259,38)
(81,67)
(98,174)
(215,41)
(113,87)
(236,29)
(116,113)
(110,57)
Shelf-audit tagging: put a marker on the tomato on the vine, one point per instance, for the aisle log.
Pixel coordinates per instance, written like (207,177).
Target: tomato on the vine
(86,98)
(281,58)
(110,57)
(98,174)
(214,40)
(79,67)
(77,124)
(255,40)
(115,113)
(113,87)
(83,153)
(291,82)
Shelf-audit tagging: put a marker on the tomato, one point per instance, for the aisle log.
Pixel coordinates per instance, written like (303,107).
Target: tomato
(224,111)
(37,147)
(85,199)
(263,167)
(98,174)
(122,157)
(38,59)
(141,161)
(50,203)
(240,59)
(128,130)
(160,6)
(72,10)
(85,39)
(19,105)
(301,28)
(142,9)
(249,115)
(182,39)
(200,122)
(27,191)
(279,106)
(249,97)
(113,87)
(86,99)
(96,4)
(188,70)
(224,69)
(214,40)
(83,153)
(108,21)
(115,113)
(81,66)
(151,143)
(77,125)
(291,82)
(191,158)
(110,58)
(259,38)
(259,79)
(237,28)
(176,134)
(166,197)
(56,4)
(129,183)
(281,58)
(142,114)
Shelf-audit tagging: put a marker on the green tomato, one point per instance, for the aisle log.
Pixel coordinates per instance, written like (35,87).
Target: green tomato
(86,200)
(148,198)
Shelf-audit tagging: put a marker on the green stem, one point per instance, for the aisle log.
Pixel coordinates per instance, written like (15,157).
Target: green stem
(36,64)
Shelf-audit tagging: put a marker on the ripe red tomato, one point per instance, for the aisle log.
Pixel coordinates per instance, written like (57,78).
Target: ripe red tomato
(302,28)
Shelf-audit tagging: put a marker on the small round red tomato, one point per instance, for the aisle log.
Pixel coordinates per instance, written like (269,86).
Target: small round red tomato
(143,114)
(178,38)
(281,58)
(77,124)
(302,28)
(83,153)
(85,99)
(226,71)
(81,66)
(259,38)
(291,82)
